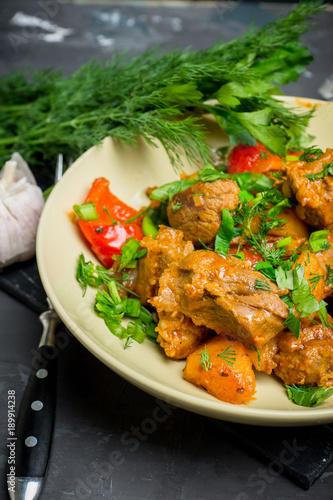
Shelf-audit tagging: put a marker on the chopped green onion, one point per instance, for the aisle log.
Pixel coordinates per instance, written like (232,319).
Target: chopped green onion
(291,158)
(86,211)
(284,242)
(318,241)
(114,221)
(114,292)
(136,331)
(132,219)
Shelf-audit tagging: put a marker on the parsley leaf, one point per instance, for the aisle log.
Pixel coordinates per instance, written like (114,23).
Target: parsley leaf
(224,234)
(130,254)
(308,396)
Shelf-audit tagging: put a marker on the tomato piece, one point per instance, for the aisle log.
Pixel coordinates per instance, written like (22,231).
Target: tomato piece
(107,234)
(252,159)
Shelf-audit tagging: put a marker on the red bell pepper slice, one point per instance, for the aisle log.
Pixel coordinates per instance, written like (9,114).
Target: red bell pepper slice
(109,232)
(252,159)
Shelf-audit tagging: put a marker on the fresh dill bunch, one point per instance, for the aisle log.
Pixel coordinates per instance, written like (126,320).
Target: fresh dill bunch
(161,96)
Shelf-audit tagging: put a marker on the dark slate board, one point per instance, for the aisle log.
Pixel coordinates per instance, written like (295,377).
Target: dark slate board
(22,281)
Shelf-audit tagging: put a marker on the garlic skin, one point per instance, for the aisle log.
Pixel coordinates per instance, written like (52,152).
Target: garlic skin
(21,203)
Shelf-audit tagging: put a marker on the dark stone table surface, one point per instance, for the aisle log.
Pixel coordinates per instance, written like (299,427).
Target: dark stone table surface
(103,447)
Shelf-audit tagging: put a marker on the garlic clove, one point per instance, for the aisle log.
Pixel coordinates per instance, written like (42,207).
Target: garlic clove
(21,203)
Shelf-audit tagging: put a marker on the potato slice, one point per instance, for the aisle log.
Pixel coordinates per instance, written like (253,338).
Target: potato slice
(228,373)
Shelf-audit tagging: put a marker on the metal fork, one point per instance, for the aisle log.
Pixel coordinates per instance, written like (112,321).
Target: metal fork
(35,422)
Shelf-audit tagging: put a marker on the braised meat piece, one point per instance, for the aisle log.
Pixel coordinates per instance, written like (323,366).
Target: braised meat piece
(197,210)
(314,195)
(263,358)
(221,294)
(168,246)
(178,335)
(309,359)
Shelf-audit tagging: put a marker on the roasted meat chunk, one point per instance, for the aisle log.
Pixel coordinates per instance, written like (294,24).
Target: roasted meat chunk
(221,294)
(178,335)
(168,246)
(313,194)
(263,358)
(307,360)
(197,210)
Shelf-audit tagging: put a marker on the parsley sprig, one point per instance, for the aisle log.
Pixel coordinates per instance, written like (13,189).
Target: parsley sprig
(308,396)
(301,297)
(112,308)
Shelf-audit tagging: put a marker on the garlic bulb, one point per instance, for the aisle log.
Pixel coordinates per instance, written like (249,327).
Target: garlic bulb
(21,203)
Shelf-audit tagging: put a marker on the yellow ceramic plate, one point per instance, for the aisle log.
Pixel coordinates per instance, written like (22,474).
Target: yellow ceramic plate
(59,244)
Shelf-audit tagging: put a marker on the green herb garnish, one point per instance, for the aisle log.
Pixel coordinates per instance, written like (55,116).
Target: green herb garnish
(258,353)
(130,253)
(228,355)
(262,285)
(86,211)
(224,234)
(329,275)
(311,154)
(204,360)
(308,396)
(327,170)
(318,241)
(314,280)
(114,221)
(176,206)
(136,217)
